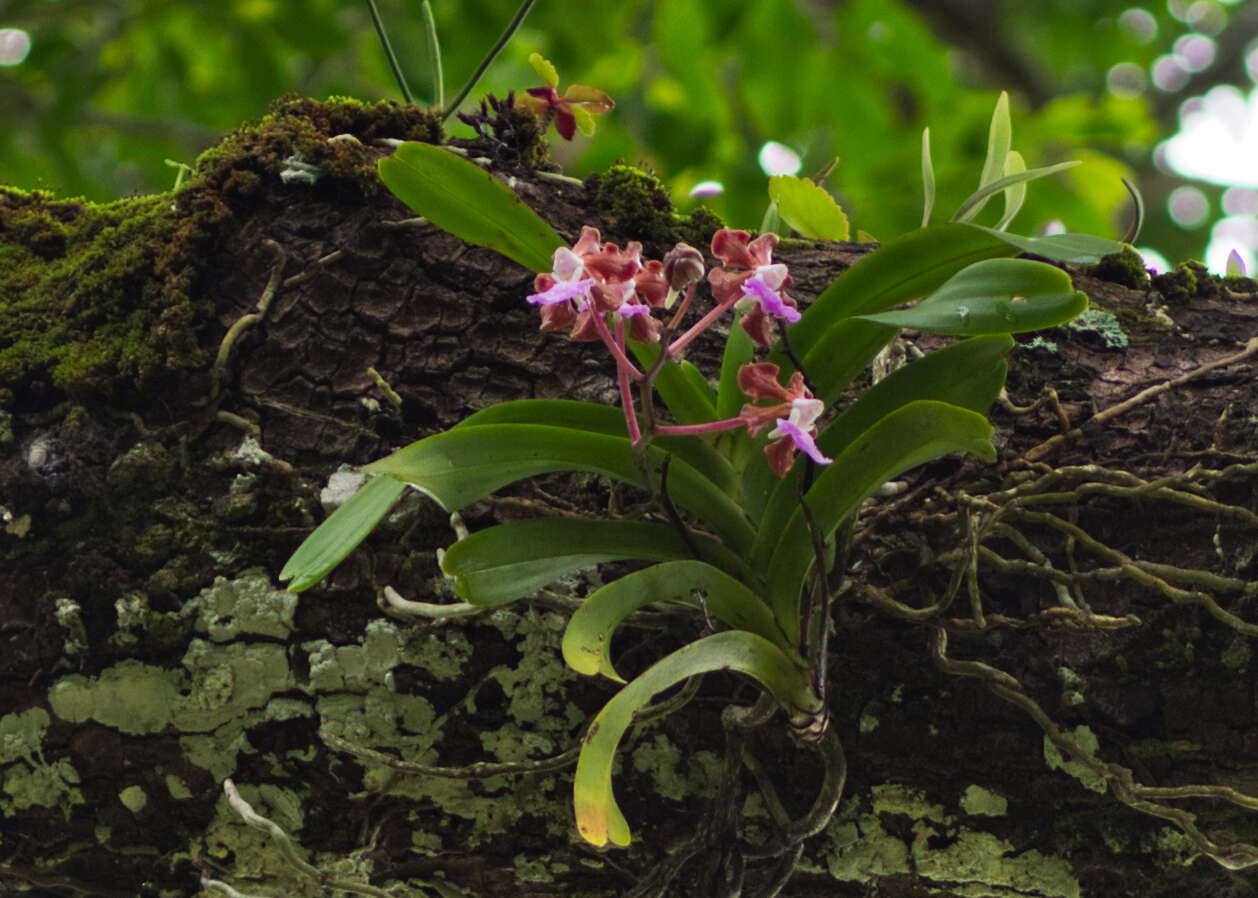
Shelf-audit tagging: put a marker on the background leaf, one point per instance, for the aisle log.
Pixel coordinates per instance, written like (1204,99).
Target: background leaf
(808,208)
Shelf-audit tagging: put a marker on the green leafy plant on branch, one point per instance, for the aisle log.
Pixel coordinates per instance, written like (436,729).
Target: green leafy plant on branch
(753,473)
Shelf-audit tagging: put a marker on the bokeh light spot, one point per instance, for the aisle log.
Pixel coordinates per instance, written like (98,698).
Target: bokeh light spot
(1188,207)
(1195,52)
(1126,80)
(14,45)
(1169,73)
(705,189)
(1154,260)
(1139,24)
(779,159)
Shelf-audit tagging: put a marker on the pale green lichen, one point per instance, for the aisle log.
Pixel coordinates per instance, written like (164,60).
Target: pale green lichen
(177,788)
(1087,742)
(248,604)
(22,734)
(137,698)
(969,862)
(1237,654)
(134,799)
(1102,325)
(676,775)
(29,780)
(977,801)
(1175,847)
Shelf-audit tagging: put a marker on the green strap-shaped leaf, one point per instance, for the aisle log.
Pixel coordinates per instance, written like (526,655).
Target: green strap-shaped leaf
(341,532)
(808,208)
(739,350)
(999,140)
(1015,195)
(469,462)
(906,268)
(979,198)
(1074,249)
(599,818)
(513,561)
(598,418)
(587,640)
(912,435)
(991,297)
(460,197)
(968,374)
(928,179)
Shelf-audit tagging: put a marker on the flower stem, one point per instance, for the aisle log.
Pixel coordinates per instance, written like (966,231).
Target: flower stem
(388,52)
(682,430)
(699,327)
(489,57)
(626,392)
(623,363)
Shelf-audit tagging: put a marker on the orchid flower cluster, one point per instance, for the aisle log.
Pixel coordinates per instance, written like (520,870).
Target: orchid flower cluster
(599,291)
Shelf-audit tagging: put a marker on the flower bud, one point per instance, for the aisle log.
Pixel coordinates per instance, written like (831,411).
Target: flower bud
(683,266)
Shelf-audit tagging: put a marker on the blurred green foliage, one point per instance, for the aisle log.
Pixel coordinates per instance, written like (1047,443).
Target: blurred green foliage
(111,89)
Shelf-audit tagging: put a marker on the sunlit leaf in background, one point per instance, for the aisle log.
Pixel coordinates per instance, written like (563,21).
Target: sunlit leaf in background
(110,90)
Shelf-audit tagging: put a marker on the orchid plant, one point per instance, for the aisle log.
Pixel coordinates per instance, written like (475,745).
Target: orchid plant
(754,469)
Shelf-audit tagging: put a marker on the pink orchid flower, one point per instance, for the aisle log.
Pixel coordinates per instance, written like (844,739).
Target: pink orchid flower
(752,281)
(793,417)
(594,278)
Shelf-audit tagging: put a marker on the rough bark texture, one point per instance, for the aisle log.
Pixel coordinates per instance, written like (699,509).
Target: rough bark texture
(150,494)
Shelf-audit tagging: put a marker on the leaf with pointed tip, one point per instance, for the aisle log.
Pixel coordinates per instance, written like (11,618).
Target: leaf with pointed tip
(460,197)
(1015,194)
(975,202)
(599,818)
(467,463)
(341,532)
(999,139)
(928,179)
(993,297)
(1074,249)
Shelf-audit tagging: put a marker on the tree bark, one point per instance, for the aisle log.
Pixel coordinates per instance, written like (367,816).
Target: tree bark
(1101,574)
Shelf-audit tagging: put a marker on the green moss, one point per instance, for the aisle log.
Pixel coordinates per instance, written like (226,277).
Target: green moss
(1180,284)
(99,299)
(633,204)
(1124,267)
